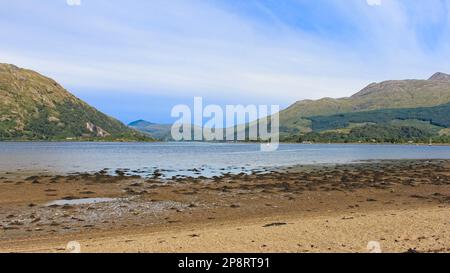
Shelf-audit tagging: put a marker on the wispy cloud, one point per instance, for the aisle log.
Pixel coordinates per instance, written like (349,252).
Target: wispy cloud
(73,2)
(223,50)
(374,2)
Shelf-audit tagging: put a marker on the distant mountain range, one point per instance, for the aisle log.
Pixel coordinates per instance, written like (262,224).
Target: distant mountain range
(391,111)
(157,131)
(160,132)
(34,107)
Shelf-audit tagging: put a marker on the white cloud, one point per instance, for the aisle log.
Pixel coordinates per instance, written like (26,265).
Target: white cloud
(73,2)
(374,2)
(184,48)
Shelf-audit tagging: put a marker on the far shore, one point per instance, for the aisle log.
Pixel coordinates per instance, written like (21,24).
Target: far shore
(230,142)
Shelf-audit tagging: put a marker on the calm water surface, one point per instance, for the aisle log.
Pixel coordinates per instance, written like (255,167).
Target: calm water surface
(182,158)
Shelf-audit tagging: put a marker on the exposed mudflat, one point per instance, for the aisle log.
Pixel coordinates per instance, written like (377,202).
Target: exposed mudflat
(404,205)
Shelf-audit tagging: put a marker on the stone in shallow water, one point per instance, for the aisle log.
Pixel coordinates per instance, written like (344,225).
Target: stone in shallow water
(84,201)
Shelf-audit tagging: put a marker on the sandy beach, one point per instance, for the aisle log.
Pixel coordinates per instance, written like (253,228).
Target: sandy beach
(402,205)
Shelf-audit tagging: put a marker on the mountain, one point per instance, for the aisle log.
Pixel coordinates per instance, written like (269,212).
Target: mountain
(161,132)
(440,77)
(34,107)
(141,123)
(157,131)
(385,95)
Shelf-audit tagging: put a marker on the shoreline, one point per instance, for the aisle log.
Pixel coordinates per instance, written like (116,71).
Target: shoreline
(232,142)
(285,201)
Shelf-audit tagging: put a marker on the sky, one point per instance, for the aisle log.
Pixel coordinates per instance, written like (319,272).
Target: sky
(136,59)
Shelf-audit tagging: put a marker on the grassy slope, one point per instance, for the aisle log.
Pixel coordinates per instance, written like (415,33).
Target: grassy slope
(34,107)
(386,125)
(437,116)
(389,94)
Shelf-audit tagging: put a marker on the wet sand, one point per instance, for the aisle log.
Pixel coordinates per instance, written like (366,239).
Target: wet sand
(403,205)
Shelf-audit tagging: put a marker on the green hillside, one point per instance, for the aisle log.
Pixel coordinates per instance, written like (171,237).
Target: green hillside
(385,95)
(34,107)
(386,125)
(438,116)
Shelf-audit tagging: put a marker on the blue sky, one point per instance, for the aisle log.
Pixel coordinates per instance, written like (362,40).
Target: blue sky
(136,59)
